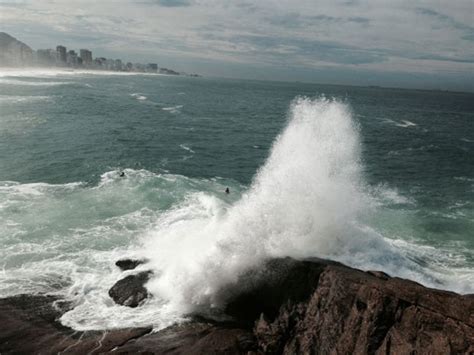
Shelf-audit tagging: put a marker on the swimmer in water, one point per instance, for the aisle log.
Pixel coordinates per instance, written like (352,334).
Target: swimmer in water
(227,191)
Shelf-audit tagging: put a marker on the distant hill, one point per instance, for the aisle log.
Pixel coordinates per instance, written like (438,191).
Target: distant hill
(14,53)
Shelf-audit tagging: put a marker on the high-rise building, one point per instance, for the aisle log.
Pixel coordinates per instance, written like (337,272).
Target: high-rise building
(46,57)
(152,67)
(118,64)
(86,56)
(71,58)
(99,63)
(61,55)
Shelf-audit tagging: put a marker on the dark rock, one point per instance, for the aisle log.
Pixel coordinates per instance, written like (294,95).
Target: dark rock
(28,325)
(286,307)
(129,264)
(194,338)
(130,291)
(265,290)
(320,307)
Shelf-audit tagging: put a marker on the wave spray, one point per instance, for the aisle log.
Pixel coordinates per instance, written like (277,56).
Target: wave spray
(308,199)
(303,202)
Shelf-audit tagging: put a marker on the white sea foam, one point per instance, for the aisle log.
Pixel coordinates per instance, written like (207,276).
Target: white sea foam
(173,109)
(48,73)
(33,83)
(384,195)
(185,147)
(138,96)
(406,124)
(23,99)
(402,123)
(413,149)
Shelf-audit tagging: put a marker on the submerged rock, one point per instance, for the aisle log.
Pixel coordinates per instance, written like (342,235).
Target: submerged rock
(130,291)
(129,264)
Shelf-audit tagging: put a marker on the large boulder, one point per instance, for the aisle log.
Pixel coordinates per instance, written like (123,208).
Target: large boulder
(130,291)
(129,264)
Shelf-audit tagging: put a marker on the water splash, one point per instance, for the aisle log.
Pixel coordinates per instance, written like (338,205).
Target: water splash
(308,199)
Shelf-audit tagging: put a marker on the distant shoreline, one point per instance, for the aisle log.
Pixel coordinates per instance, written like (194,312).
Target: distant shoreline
(36,70)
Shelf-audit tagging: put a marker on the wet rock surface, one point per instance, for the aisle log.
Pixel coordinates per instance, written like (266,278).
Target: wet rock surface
(129,264)
(286,307)
(195,338)
(29,325)
(130,291)
(347,311)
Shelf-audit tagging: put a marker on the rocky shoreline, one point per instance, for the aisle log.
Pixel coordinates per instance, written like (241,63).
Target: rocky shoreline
(287,307)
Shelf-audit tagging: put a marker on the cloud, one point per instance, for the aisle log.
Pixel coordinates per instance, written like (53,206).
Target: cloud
(278,50)
(389,36)
(294,19)
(449,21)
(168,3)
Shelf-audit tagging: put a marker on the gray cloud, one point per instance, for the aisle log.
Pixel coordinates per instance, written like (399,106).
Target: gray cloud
(346,35)
(294,20)
(449,21)
(173,3)
(282,50)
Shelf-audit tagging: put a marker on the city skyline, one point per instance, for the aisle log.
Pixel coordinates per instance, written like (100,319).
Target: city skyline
(16,53)
(85,59)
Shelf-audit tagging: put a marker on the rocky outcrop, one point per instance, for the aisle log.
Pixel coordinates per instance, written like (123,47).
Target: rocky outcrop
(286,307)
(130,291)
(28,325)
(196,337)
(321,308)
(129,264)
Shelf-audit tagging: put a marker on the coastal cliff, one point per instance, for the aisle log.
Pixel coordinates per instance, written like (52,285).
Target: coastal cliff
(287,307)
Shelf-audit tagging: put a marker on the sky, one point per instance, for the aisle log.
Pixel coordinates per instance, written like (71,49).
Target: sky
(403,43)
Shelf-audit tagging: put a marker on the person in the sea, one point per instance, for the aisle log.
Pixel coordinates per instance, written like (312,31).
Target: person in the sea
(122,174)
(227,191)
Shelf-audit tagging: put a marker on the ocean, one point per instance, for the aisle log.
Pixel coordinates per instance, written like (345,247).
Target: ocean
(377,178)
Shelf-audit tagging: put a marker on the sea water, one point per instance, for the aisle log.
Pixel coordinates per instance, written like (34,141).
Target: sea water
(380,179)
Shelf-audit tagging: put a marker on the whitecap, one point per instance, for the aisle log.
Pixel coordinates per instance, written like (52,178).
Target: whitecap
(405,124)
(185,147)
(139,96)
(23,99)
(173,109)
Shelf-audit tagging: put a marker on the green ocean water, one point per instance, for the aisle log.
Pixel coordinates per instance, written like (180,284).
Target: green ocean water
(377,178)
